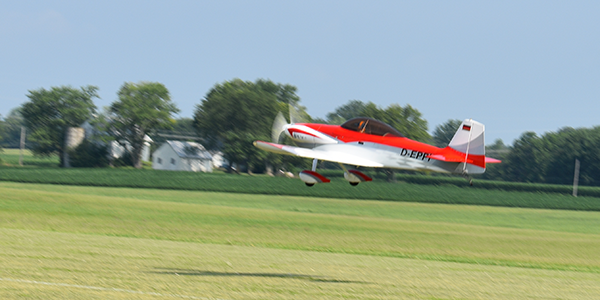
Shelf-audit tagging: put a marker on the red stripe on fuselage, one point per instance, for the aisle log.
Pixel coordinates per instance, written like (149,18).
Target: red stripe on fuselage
(348,136)
(292,130)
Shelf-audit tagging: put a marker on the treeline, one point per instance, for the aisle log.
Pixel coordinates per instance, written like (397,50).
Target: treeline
(550,158)
(232,114)
(141,108)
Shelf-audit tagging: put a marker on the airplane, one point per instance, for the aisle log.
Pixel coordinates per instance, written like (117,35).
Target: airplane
(366,142)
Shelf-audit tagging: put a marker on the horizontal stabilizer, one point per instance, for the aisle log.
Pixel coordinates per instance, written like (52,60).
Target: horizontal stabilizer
(489,160)
(453,156)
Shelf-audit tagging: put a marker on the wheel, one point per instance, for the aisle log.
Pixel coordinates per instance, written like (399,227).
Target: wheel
(354,183)
(309,184)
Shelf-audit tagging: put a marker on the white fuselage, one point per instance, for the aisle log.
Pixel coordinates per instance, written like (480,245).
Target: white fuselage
(384,155)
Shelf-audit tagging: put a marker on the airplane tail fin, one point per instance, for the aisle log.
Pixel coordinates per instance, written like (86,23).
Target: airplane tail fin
(467,147)
(469,138)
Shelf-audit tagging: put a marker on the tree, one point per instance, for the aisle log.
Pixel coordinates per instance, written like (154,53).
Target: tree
(141,109)
(352,109)
(497,150)
(89,154)
(49,113)
(11,137)
(235,113)
(551,158)
(569,144)
(184,125)
(408,121)
(527,159)
(443,133)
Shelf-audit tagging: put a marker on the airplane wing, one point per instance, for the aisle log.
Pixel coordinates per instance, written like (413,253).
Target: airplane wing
(340,153)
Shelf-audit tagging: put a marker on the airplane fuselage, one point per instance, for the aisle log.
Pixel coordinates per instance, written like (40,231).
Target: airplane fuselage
(390,151)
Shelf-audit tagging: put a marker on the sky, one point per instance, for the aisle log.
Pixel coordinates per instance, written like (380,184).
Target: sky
(515,66)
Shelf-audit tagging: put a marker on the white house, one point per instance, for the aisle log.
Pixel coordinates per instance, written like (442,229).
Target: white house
(182,156)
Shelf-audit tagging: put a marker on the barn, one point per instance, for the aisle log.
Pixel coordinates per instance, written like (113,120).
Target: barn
(182,156)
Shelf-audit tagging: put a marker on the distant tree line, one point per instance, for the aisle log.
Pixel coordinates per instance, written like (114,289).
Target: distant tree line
(235,113)
(140,109)
(550,158)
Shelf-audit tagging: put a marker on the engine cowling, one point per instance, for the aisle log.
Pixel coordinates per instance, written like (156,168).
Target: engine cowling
(306,135)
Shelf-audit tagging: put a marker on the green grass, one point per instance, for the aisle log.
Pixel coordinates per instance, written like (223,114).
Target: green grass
(10,157)
(71,242)
(338,188)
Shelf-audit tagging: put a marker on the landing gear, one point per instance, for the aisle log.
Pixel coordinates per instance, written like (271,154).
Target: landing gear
(467,177)
(354,177)
(312,177)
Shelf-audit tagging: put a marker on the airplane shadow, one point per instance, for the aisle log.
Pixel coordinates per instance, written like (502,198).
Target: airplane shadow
(188,272)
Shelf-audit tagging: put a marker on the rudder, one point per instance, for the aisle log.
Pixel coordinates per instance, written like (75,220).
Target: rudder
(469,138)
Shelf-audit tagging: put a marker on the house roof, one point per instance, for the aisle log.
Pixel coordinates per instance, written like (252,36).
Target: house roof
(189,150)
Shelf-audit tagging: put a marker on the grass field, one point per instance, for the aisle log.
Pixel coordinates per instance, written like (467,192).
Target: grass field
(11,157)
(71,242)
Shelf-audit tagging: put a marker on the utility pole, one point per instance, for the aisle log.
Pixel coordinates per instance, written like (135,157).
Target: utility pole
(22,145)
(576,178)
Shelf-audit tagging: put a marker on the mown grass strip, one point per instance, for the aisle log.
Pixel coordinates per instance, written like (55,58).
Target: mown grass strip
(119,266)
(522,218)
(245,246)
(557,248)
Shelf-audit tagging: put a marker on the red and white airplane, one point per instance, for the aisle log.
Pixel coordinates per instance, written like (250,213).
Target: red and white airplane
(371,143)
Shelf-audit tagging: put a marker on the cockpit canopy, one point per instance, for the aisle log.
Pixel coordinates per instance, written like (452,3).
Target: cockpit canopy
(371,126)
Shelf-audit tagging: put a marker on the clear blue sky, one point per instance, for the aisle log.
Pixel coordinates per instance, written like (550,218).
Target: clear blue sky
(515,66)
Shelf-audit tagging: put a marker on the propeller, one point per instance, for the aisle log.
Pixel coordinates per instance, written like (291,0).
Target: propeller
(280,122)
(278,127)
(295,115)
